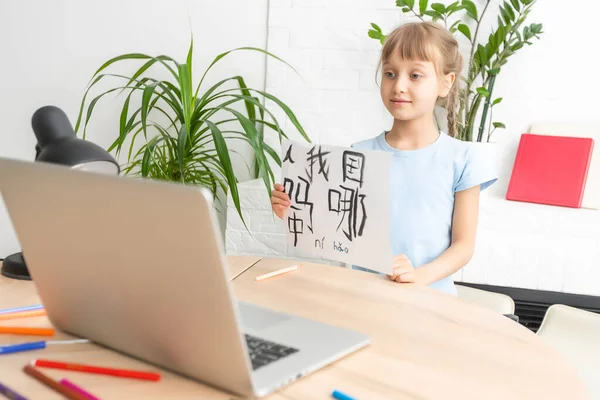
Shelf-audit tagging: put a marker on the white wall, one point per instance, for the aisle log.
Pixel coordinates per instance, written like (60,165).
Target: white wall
(555,80)
(49,51)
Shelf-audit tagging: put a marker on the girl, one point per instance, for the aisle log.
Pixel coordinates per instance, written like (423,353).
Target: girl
(435,178)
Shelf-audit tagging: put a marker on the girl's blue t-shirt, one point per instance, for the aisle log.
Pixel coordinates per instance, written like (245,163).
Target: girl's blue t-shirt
(422,187)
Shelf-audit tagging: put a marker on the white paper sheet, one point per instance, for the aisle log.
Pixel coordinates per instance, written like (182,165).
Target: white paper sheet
(340,203)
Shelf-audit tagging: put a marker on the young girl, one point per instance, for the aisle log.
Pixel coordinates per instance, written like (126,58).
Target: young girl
(435,178)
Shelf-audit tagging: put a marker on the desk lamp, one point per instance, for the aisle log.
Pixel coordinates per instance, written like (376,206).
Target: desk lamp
(57,143)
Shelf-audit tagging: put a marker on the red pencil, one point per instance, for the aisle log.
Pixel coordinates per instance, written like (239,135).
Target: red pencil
(123,373)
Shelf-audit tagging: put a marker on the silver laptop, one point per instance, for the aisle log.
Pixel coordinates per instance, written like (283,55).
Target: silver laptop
(138,266)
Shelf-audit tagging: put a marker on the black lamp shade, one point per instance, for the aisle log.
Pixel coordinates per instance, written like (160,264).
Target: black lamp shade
(57,143)
(80,154)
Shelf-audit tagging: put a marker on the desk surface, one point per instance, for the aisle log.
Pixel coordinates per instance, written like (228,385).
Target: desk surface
(425,344)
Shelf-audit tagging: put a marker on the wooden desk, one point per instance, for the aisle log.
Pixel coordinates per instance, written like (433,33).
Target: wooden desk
(426,345)
(14,293)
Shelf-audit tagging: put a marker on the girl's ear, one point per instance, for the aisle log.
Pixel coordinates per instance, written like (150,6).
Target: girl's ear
(447,82)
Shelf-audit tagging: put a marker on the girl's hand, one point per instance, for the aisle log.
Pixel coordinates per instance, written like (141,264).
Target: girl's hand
(404,272)
(280,201)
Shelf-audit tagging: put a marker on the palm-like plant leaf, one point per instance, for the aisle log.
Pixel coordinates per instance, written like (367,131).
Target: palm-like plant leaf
(187,143)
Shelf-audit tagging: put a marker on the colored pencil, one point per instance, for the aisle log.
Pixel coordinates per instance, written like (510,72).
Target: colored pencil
(52,384)
(15,348)
(17,330)
(78,389)
(21,309)
(275,273)
(122,373)
(11,394)
(23,314)
(341,396)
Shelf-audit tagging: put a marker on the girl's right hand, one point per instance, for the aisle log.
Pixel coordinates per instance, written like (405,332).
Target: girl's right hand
(280,201)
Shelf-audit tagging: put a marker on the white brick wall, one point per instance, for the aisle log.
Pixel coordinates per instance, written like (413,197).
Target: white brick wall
(337,101)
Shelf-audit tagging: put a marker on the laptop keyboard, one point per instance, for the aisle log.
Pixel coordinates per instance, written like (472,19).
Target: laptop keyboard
(263,352)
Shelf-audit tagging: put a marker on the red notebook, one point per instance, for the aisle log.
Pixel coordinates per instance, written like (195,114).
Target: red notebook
(550,170)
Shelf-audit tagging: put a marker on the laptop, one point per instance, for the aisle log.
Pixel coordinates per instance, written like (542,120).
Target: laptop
(138,266)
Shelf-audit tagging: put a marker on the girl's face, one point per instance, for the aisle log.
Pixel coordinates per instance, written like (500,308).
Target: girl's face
(410,88)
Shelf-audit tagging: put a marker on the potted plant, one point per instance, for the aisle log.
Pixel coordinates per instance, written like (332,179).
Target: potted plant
(486,57)
(181,131)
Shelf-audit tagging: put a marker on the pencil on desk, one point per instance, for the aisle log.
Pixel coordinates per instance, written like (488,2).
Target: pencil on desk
(23,314)
(21,309)
(15,348)
(9,393)
(17,330)
(275,273)
(76,388)
(51,383)
(122,373)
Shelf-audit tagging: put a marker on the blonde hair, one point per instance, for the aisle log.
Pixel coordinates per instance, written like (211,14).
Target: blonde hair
(429,41)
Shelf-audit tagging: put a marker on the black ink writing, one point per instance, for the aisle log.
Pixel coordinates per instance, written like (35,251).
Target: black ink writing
(352,204)
(296,227)
(353,166)
(299,193)
(288,155)
(320,157)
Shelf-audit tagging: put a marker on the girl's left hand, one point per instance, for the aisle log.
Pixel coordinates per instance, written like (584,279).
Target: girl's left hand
(403,272)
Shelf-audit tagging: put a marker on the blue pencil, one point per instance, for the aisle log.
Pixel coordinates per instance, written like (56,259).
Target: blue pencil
(20,309)
(15,348)
(11,394)
(341,396)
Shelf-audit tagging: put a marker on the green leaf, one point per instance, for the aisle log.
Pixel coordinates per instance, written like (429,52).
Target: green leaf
(272,153)
(373,34)
(470,8)
(439,7)
(510,11)
(409,3)
(483,91)
(405,10)
(497,101)
(400,3)
(148,153)
(517,46)
(453,26)
(146,96)
(433,14)
(464,29)
(516,5)
(220,56)
(290,114)
(182,140)
(422,6)
(505,15)
(223,154)
(499,125)
(376,27)
(454,7)
(188,60)
(185,83)
(494,71)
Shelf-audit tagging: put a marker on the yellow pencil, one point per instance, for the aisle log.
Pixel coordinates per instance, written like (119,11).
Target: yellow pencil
(275,273)
(23,314)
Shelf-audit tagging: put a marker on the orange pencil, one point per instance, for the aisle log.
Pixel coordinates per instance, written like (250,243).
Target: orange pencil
(275,273)
(23,314)
(17,330)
